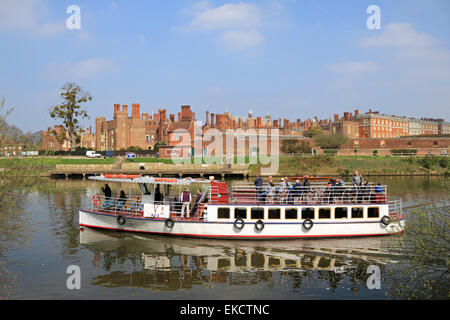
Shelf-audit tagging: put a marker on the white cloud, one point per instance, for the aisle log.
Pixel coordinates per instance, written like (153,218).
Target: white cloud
(354,67)
(51,29)
(19,15)
(84,69)
(237,40)
(399,35)
(240,15)
(237,26)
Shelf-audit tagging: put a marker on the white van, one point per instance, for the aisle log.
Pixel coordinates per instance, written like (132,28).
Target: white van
(93,154)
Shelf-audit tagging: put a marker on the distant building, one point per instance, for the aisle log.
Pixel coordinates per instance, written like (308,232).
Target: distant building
(52,142)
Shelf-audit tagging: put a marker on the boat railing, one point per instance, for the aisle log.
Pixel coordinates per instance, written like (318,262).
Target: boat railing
(116,206)
(135,206)
(313,194)
(396,209)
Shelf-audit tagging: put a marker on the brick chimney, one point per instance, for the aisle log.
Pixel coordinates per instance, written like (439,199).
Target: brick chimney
(172,117)
(207,118)
(259,122)
(186,113)
(136,112)
(125,108)
(356,112)
(212,120)
(116,109)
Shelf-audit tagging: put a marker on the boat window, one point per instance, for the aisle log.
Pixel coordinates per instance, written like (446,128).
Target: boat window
(307,213)
(223,263)
(223,213)
(290,213)
(373,212)
(274,213)
(357,212)
(324,213)
(257,213)
(340,213)
(240,213)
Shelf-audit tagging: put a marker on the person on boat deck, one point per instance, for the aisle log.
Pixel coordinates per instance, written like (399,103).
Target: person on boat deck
(197,200)
(122,198)
(185,198)
(158,195)
(107,191)
(357,179)
(269,192)
(258,186)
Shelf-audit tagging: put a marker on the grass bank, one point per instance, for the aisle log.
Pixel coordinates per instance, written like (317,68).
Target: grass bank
(368,165)
(288,165)
(37,165)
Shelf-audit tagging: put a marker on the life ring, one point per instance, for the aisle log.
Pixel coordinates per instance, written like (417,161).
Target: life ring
(169,223)
(172,180)
(308,224)
(96,200)
(121,220)
(259,225)
(239,223)
(122,176)
(385,220)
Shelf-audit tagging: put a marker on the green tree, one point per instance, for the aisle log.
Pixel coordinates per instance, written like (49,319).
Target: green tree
(425,274)
(15,178)
(69,111)
(292,146)
(159,143)
(333,141)
(314,131)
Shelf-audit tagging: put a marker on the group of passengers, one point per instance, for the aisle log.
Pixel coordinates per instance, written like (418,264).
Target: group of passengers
(181,203)
(336,189)
(120,203)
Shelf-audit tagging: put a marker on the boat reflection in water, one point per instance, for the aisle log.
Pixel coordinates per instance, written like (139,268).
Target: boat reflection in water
(170,263)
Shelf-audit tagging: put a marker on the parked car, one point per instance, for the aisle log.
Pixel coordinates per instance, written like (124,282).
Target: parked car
(93,154)
(130,155)
(108,154)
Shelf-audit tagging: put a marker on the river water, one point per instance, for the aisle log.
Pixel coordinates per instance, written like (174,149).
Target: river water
(117,265)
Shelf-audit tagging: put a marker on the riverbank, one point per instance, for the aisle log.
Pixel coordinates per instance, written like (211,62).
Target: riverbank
(287,165)
(366,165)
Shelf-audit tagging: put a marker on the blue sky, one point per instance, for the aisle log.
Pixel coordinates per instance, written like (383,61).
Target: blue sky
(293,59)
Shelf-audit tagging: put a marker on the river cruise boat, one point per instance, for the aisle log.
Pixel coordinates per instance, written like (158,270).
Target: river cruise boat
(243,211)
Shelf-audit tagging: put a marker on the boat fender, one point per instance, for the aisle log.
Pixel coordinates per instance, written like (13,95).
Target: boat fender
(169,223)
(308,224)
(385,220)
(259,225)
(239,223)
(96,200)
(121,220)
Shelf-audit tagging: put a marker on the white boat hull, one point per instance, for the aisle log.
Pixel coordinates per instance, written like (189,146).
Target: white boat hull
(227,230)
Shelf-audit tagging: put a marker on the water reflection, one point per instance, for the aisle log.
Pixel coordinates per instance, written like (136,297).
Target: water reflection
(171,264)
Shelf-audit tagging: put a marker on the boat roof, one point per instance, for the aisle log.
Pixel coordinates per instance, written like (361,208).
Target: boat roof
(151,180)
